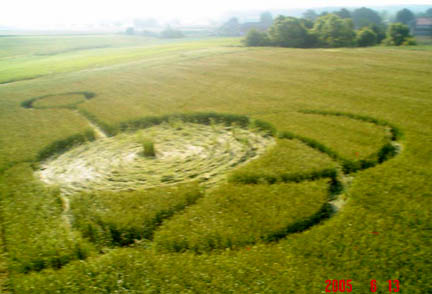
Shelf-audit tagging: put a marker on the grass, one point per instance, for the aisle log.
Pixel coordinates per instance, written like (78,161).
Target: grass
(32,133)
(13,46)
(27,67)
(4,272)
(388,150)
(62,145)
(423,42)
(58,101)
(383,232)
(35,236)
(64,100)
(289,160)
(395,132)
(148,147)
(351,139)
(233,216)
(101,216)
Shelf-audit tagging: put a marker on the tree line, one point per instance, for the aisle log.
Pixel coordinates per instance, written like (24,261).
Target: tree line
(359,28)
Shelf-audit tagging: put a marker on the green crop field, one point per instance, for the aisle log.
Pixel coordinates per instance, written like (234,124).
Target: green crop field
(135,165)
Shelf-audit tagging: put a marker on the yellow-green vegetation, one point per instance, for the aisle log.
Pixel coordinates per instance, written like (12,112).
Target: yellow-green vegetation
(35,235)
(148,147)
(233,216)
(424,40)
(382,232)
(13,46)
(184,152)
(64,100)
(59,101)
(351,138)
(25,139)
(111,219)
(3,266)
(28,66)
(289,160)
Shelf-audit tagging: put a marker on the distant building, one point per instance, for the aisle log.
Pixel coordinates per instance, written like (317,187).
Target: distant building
(423,27)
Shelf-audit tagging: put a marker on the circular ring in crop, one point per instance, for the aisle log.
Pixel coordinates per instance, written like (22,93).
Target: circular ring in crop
(62,100)
(167,153)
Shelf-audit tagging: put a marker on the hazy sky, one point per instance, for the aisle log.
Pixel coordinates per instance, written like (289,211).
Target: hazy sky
(45,12)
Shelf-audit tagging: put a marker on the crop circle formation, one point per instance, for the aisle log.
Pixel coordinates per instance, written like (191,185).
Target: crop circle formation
(169,150)
(180,152)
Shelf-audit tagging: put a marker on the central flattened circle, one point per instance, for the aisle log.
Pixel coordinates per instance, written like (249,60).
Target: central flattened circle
(182,152)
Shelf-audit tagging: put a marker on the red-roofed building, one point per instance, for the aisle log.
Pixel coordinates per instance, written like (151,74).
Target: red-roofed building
(423,27)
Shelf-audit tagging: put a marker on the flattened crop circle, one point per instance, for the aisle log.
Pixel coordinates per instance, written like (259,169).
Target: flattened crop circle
(182,152)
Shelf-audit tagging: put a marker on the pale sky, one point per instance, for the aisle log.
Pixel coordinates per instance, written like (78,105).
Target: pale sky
(53,12)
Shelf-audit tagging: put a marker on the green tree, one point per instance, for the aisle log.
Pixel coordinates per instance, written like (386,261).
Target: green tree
(364,17)
(399,34)
(366,37)
(380,31)
(288,32)
(343,13)
(256,38)
(306,23)
(405,16)
(429,12)
(333,31)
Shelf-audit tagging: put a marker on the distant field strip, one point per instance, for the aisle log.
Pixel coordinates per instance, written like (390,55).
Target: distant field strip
(31,67)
